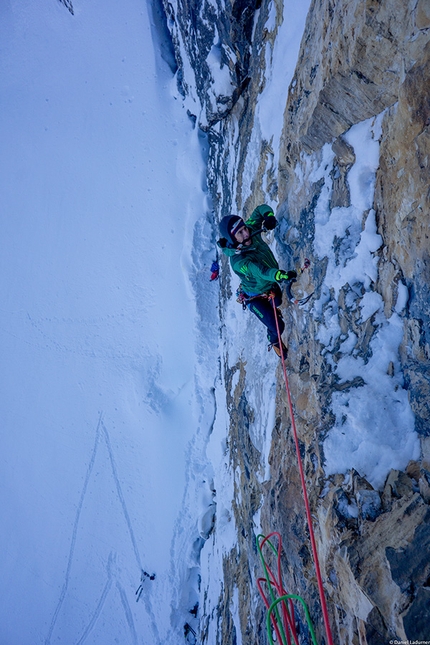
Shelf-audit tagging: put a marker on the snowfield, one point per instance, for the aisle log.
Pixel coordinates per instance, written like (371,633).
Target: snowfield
(102,183)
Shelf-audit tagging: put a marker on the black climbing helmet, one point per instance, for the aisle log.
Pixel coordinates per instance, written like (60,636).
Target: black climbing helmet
(227,228)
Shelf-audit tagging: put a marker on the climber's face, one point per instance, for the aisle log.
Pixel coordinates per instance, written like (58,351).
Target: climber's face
(243,236)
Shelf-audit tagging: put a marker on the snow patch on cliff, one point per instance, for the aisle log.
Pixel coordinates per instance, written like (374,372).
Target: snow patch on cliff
(374,426)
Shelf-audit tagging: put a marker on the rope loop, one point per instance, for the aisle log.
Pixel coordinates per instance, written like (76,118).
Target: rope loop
(285,627)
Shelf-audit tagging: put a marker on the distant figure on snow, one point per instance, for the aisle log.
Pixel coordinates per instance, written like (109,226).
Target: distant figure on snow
(143,576)
(253,261)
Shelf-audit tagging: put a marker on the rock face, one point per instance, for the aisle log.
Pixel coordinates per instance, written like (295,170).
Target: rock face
(216,43)
(359,60)
(353,60)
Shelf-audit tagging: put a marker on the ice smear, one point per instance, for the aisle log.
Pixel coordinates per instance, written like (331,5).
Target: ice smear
(235,612)
(221,85)
(280,65)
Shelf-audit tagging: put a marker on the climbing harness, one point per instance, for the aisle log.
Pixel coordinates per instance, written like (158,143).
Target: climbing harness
(275,595)
(305,494)
(243,299)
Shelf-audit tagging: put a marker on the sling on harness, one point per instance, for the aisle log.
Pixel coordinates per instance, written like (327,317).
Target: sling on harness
(243,299)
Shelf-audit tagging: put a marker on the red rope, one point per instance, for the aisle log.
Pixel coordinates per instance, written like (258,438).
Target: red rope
(277,584)
(305,494)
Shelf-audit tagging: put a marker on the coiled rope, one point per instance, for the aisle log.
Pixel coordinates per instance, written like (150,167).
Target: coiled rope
(285,629)
(305,494)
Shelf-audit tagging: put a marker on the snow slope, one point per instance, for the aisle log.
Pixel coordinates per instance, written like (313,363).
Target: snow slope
(102,182)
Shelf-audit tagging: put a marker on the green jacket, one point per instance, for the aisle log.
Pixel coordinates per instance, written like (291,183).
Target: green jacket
(255,265)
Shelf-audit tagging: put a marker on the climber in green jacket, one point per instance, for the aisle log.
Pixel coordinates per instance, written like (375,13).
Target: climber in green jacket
(253,261)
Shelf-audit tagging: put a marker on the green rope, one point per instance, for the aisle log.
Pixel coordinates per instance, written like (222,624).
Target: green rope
(307,615)
(275,601)
(269,584)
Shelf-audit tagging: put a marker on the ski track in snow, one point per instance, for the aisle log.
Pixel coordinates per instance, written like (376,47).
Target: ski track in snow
(75,531)
(100,604)
(102,435)
(120,495)
(127,612)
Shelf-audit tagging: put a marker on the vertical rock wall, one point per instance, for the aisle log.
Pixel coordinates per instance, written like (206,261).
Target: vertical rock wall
(358,59)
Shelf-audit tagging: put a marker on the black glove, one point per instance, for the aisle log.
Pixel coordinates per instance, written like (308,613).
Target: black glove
(269,222)
(285,275)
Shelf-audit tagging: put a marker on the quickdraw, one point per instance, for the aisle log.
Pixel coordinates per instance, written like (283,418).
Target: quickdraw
(292,298)
(298,301)
(306,265)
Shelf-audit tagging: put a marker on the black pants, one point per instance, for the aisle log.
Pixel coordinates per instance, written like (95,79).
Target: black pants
(263,309)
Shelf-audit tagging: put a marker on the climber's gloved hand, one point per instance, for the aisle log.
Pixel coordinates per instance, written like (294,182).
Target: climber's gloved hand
(285,275)
(269,221)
